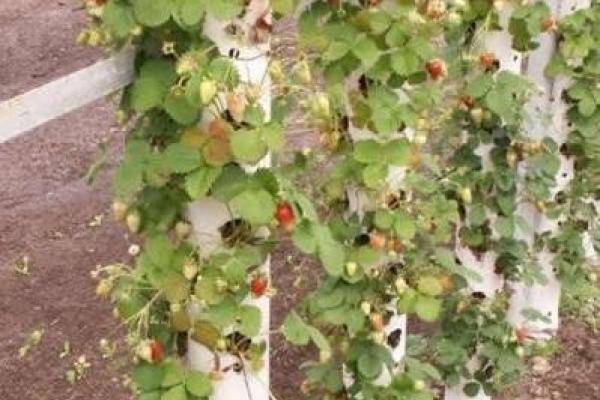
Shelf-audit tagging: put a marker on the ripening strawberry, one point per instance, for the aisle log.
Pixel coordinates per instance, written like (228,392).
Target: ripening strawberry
(285,216)
(549,24)
(377,322)
(436,68)
(487,60)
(466,103)
(377,240)
(521,335)
(151,351)
(258,286)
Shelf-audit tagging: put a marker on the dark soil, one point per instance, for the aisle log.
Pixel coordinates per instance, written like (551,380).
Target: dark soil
(45,210)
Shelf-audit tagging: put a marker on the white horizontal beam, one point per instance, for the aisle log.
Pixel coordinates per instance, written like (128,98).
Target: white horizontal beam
(32,109)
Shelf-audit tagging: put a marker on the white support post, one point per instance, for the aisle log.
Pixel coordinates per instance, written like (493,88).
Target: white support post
(547,118)
(500,44)
(359,203)
(208,215)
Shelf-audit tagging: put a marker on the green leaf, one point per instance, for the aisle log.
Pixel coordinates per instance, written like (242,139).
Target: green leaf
(471,389)
(479,86)
(250,320)
(295,330)
(173,375)
(405,62)
(159,250)
(366,50)
(175,287)
(446,258)
(331,253)
(272,136)
(384,219)
(178,108)
(182,158)
(369,365)
(248,146)
(255,206)
(430,286)
(396,152)
(128,180)
(175,393)
(198,183)
(190,12)
(336,50)
(428,308)
(304,239)
(224,9)
(207,289)
(283,7)
(147,376)
(118,17)
(405,226)
(152,12)
(198,384)
(367,151)
(586,106)
(505,227)
(147,94)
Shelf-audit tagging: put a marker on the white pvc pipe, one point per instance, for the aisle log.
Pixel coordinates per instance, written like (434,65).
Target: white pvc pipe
(547,118)
(208,215)
(500,43)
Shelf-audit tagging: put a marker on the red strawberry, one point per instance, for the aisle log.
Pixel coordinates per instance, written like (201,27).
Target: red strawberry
(436,68)
(258,286)
(285,216)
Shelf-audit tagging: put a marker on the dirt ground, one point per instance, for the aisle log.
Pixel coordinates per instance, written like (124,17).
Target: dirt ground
(45,210)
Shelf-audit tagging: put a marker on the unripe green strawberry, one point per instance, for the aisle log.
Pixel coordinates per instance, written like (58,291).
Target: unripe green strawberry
(419,385)
(520,351)
(324,356)
(400,285)
(95,38)
(466,195)
(183,230)
(222,344)
(137,30)
(511,158)
(378,337)
(134,221)
(365,306)
(276,71)
(104,287)
(477,115)
(190,270)
(320,106)
(208,90)
(119,210)
(351,268)
(302,73)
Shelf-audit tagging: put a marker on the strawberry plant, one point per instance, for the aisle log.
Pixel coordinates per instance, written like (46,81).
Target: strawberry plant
(424,169)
